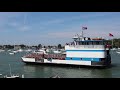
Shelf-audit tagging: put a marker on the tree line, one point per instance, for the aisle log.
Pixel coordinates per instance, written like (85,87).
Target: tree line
(22,46)
(116,44)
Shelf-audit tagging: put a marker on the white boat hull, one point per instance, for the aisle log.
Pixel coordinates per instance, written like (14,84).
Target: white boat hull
(11,53)
(57,61)
(118,52)
(65,62)
(28,59)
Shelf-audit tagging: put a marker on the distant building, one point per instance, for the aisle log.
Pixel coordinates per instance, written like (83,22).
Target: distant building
(17,47)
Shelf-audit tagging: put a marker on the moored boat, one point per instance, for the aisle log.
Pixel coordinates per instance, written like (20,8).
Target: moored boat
(118,52)
(11,53)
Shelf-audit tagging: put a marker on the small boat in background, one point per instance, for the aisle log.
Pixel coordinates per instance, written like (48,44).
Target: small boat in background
(12,75)
(56,76)
(20,50)
(114,49)
(28,50)
(11,53)
(118,52)
(9,50)
(15,51)
(1,50)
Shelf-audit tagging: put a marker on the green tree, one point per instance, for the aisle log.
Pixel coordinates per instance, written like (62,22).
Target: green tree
(39,46)
(22,46)
(59,46)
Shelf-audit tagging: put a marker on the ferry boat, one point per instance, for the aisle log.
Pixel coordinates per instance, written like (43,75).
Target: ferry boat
(84,51)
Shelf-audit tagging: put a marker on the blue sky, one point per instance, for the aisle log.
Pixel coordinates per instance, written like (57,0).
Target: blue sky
(52,28)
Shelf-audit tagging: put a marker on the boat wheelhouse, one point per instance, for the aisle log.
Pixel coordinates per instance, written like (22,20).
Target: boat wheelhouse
(88,51)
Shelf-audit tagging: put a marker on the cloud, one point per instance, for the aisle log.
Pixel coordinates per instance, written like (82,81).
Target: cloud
(14,24)
(101,29)
(24,28)
(10,18)
(55,21)
(60,34)
(7,19)
(71,18)
(49,30)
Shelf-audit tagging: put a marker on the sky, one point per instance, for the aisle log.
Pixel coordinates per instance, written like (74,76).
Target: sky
(53,28)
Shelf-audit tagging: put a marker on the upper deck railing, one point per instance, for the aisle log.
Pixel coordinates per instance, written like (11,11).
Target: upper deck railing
(86,46)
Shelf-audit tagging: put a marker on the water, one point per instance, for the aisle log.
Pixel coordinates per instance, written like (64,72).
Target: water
(37,71)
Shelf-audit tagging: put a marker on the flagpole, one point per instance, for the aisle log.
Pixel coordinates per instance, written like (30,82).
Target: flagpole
(112,43)
(82,33)
(111,35)
(83,28)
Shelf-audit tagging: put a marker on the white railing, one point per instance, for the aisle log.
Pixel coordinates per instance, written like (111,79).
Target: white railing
(86,46)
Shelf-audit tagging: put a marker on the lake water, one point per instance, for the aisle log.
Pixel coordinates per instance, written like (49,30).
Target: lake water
(37,71)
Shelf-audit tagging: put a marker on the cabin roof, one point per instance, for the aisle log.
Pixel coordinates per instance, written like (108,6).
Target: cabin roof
(91,40)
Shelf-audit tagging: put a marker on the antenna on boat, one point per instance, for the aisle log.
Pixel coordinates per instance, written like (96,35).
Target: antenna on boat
(82,33)
(83,28)
(78,36)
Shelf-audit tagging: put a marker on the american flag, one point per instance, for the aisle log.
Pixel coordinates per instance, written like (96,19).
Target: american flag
(111,35)
(84,28)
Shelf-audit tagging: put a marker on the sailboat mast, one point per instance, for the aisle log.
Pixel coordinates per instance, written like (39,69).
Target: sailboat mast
(10,70)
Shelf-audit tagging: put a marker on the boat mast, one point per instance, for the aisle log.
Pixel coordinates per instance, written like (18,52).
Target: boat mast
(78,37)
(83,28)
(10,70)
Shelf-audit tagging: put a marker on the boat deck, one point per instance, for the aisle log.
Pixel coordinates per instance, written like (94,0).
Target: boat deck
(46,56)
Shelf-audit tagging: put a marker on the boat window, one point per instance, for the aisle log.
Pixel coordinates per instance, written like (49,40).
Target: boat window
(97,43)
(83,43)
(101,43)
(80,43)
(90,43)
(94,43)
(87,43)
